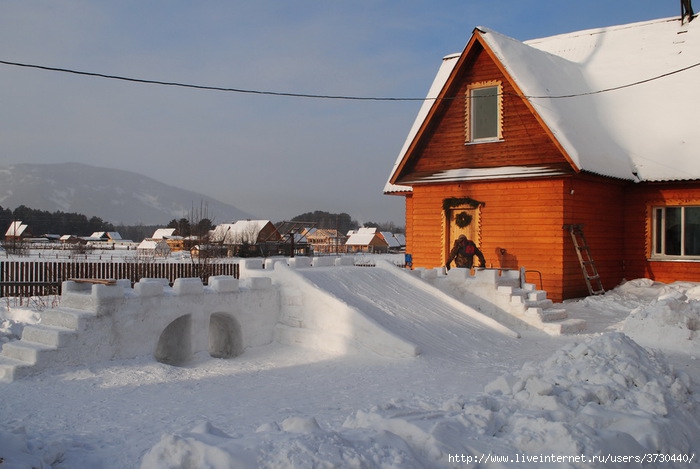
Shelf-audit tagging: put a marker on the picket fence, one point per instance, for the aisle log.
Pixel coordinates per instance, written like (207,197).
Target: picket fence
(39,278)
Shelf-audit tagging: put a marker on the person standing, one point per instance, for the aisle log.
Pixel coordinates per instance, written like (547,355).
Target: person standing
(463,253)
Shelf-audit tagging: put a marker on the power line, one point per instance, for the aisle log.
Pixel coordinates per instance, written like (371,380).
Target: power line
(321,96)
(205,87)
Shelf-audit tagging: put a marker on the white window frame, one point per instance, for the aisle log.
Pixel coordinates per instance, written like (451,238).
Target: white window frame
(659,232)
(470,110)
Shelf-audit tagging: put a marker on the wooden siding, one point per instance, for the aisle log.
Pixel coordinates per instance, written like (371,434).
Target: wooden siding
(522,226)
(639,201)
(524,142)
(597,204)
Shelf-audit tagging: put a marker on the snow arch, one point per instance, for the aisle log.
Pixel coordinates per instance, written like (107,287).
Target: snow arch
(225,336)
(175,344)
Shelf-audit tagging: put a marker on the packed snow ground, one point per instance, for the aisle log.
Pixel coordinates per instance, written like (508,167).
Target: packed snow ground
(628,387)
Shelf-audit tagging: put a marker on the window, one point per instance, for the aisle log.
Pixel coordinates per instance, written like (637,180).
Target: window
(676,232)
(483,110)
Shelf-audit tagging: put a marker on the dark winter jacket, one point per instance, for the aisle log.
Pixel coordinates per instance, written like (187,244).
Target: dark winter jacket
(463,254)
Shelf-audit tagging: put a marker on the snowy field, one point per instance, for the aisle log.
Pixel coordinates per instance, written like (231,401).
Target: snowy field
(628,387)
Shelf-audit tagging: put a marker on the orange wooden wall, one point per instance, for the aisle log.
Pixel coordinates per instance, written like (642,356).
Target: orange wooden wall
(522,226)
(639,202)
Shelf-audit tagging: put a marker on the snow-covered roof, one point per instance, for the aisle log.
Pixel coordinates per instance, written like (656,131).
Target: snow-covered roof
(239,232)
(106,234)
(619,100)
(147,244)
(365,237)
(162,233)
(390,239)
(16,228)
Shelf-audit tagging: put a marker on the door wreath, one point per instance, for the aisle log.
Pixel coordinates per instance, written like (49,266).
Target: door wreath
(463,219)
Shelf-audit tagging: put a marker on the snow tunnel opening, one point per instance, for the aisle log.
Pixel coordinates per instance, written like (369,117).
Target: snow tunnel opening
(175,342)
(225,337)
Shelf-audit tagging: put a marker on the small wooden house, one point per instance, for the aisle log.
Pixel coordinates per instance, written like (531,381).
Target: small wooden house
(517,142)
(245,232)
(153,248)
(366,240)
(106,236)
(245,238)
(326,241)
(171,237)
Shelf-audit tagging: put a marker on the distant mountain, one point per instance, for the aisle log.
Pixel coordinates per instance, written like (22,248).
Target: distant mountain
(116,196)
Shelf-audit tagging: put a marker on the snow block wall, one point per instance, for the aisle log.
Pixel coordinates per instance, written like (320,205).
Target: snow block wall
(98,322)
(297,301)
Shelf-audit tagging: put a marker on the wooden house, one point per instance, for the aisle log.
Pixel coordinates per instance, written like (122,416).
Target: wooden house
(154,248)
(171,237)
(245,238)
(326,241)
(517,142)
(366,240)
(245,232)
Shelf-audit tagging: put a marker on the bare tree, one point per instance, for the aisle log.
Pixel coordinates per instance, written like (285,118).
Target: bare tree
(202,252)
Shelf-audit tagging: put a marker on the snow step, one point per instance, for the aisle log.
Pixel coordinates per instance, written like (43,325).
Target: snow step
(537,295)
(570,326)
(51,336)
(25,351)
(544,304)
(553,314)
(11,369)
(67,318)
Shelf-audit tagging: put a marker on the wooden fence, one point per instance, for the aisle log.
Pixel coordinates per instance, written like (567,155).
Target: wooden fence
(39,278)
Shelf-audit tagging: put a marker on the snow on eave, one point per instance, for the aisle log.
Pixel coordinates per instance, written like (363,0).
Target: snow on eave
(444,72)
(478,174)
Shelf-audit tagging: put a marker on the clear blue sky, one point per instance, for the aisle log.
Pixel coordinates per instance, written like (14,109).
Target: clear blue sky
(274,157)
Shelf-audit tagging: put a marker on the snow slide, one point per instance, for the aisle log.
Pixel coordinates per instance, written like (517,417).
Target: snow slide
(383,309)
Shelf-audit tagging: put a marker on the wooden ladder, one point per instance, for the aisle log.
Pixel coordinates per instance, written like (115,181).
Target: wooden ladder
(590,272)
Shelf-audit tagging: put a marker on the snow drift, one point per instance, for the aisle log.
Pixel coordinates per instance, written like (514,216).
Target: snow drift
(605,397)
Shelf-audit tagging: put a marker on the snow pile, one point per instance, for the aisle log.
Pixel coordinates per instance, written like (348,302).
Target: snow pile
(605,396)
(656,315)
(672,318)
(13,320)
(15,449)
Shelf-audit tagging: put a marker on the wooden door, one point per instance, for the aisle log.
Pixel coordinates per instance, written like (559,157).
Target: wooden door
(462,221)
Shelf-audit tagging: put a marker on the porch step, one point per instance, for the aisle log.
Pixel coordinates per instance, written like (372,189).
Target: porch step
(554,314)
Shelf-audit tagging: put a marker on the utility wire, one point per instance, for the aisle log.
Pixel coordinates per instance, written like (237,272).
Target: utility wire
(204,87)
(321,96)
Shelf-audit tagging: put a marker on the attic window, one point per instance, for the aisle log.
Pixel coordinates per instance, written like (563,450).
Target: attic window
(483,112)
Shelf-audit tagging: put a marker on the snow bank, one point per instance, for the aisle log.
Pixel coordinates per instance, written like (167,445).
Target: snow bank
(671,319)
(14,449)
(657,315)
(605,396)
